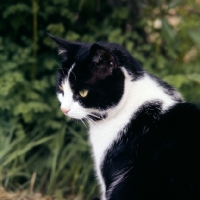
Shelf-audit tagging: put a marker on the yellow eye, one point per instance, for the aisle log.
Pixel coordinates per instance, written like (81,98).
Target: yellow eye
(83,93)
(61,88)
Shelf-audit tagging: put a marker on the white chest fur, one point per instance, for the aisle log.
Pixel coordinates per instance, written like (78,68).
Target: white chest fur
(102,136)
(136,93)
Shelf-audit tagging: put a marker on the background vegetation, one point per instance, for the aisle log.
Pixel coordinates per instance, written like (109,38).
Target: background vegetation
(39,148)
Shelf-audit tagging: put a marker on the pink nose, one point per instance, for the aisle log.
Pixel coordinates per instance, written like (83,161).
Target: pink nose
(65,111)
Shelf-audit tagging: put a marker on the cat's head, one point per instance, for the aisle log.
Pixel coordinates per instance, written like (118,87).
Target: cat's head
(90,82)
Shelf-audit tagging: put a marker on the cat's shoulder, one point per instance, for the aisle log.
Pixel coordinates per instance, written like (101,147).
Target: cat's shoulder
(183,117)
(184,113)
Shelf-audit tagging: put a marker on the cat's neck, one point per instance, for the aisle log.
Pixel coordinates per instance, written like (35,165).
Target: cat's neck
(136,94)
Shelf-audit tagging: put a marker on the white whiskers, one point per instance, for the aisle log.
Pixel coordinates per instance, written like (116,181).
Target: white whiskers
(59,66)
(83,123)
(98,117)
(91,120)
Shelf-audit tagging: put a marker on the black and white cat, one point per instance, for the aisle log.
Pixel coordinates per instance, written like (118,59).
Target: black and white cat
(145,138)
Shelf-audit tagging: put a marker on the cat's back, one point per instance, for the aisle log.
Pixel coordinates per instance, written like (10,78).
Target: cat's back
(159,155)
(183,117)
(179,129)
(175,162)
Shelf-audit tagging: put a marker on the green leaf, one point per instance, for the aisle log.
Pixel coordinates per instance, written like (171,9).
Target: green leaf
(194,77)
(167,30)
(176,80)
(195,36)
(174,3)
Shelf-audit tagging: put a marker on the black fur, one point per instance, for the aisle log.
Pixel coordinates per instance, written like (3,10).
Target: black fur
(157,155)
(160,153)
(101,88)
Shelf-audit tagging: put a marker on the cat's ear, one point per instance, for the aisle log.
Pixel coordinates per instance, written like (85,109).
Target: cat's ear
(101,54)
(63,46)
(103,59)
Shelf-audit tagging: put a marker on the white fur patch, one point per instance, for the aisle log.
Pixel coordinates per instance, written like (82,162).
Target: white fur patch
(104,132)
(62,51)
(119,177)
(76,111)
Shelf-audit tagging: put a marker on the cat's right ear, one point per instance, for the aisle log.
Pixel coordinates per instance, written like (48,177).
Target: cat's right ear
(63,46)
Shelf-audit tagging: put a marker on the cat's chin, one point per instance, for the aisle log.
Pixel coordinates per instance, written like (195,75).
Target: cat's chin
(74,115)
(90,117)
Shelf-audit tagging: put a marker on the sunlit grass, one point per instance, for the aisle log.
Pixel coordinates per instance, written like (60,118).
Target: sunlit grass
(58,164)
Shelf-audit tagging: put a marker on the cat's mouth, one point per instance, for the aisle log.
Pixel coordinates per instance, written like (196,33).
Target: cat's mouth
(83,115)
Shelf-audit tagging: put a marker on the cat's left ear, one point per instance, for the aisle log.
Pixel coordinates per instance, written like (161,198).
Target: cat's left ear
(103,58)
(63,47)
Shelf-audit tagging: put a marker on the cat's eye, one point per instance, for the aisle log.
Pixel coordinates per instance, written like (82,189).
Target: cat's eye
(61,88)
(83,93)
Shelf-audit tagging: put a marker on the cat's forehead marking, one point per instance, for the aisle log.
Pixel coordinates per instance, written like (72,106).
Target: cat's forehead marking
(67,99)
(64,80)
(70,70)
(66,83)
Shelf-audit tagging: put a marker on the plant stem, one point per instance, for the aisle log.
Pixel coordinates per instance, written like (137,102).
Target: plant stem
(35,10)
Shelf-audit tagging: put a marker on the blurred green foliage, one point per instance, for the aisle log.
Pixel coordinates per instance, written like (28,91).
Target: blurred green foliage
(35,138)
